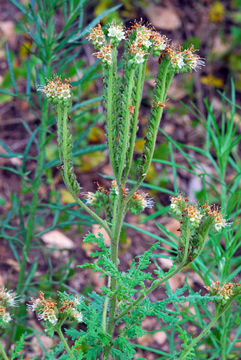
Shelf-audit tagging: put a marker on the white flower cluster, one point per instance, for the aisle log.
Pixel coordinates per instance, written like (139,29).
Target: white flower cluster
(194,215)
(143,200)
(45,309)
(7,300)
(49,310)
(185,60)
(57,91)
(116,32)
(105,54)
(97,36)
(177,204)
(219,221)
(159,41)
(90,197)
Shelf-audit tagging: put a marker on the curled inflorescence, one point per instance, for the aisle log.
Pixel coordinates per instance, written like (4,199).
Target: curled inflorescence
(225,292)
(141,40)
(51,311)
(181,207)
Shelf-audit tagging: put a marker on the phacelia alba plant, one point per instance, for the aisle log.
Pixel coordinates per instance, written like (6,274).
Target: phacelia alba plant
(111,319)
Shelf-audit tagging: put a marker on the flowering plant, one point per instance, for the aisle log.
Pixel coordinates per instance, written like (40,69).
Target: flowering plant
(113,318)
(123,303)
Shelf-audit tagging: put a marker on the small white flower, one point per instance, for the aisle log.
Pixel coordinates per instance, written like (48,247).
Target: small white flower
(116,31)
(6,317)
(90,198)
(77,300)
(219,225)
(140,57)
(52,319)
(77,315)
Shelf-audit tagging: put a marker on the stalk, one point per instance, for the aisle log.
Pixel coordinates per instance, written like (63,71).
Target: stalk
(59,331)
(105,307)
(199,337)
(116,229)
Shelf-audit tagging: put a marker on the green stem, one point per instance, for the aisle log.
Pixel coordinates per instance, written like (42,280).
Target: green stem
(138,96)
(66,176)
(116,229)
(126,122)
(110,114)
(60,131)
(223,342)
(106,303)
(156,115)
(154,285)
(59,331)
(199,337)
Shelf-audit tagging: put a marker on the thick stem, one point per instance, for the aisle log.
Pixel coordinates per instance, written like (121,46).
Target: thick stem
(117,225)
(59,331)
(223,342)
(60,132)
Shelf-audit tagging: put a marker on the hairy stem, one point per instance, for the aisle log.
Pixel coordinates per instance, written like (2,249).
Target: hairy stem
(67,175)
(116,229)
(156,115)
(109,106)
(139,89)
(105,307)
(126,123)
(59,331)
